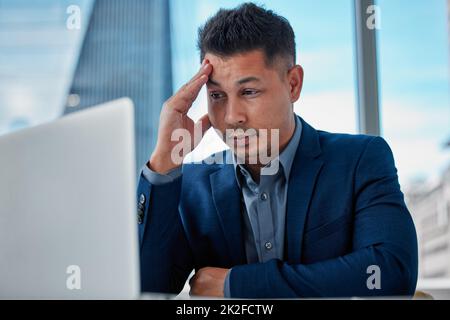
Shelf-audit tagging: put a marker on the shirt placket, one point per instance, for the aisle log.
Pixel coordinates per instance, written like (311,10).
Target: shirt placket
(265,221)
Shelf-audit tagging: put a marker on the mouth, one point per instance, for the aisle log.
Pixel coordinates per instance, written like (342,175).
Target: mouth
(242,140)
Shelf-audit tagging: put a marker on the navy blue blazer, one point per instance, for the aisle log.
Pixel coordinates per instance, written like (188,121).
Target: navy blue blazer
(345,213)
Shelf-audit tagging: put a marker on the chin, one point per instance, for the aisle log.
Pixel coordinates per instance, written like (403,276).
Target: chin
(248,154)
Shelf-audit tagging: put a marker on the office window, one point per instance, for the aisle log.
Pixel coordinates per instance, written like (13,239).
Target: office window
(38,55)
(415,118)
(325,42)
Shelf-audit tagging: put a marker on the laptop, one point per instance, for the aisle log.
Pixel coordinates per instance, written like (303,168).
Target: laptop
(68,225)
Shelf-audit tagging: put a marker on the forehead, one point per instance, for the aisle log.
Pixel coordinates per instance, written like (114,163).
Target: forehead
(241,65)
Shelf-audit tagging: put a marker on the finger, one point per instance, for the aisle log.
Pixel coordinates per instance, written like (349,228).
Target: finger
(189,93)
(190,90)
(206,68)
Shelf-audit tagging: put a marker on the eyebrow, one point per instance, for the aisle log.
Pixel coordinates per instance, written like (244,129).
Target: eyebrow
(214,83)
(239,82)
(248,79)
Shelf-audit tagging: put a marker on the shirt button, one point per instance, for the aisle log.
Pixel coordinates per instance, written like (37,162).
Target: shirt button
(268,245)
(264,196)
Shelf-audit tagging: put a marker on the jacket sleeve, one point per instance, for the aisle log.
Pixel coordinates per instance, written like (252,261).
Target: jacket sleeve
(383,236)
(165,256)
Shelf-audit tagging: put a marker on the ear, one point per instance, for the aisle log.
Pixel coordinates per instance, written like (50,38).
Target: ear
(295,80)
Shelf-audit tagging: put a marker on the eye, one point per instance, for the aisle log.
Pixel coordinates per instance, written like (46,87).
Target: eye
(249,92)
(216,95)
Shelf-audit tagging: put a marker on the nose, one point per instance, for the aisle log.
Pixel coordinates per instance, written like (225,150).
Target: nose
(235,114)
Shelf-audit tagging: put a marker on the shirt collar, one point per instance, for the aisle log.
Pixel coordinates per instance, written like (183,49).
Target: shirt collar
(286,157)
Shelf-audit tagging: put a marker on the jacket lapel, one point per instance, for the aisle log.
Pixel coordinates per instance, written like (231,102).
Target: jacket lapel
(302,179)
(227,200)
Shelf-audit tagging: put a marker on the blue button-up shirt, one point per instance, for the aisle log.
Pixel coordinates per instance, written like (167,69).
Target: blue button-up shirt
(263,205)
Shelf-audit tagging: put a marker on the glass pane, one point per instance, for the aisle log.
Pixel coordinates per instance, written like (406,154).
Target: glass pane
(324,35)
(414,77)
(38,55)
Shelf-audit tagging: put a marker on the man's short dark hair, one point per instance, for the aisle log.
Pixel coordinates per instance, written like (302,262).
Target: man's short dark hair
(246,28)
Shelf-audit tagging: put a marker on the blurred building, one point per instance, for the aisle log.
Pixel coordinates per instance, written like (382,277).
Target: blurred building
(430,207)
(429,204)
(126,52)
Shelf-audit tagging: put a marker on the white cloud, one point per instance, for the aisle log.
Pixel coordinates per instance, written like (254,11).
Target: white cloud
(332,111)
(416,134)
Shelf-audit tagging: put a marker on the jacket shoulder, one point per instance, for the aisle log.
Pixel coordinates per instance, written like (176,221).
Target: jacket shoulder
(350,144)
(356,149)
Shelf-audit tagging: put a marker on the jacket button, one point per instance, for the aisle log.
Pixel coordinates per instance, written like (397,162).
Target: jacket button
(140,216)
(142,198)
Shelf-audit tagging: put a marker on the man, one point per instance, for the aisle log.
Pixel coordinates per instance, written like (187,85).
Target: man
(329,222)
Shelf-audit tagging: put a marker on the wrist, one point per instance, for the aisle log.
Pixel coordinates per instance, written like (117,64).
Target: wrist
(161,164)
